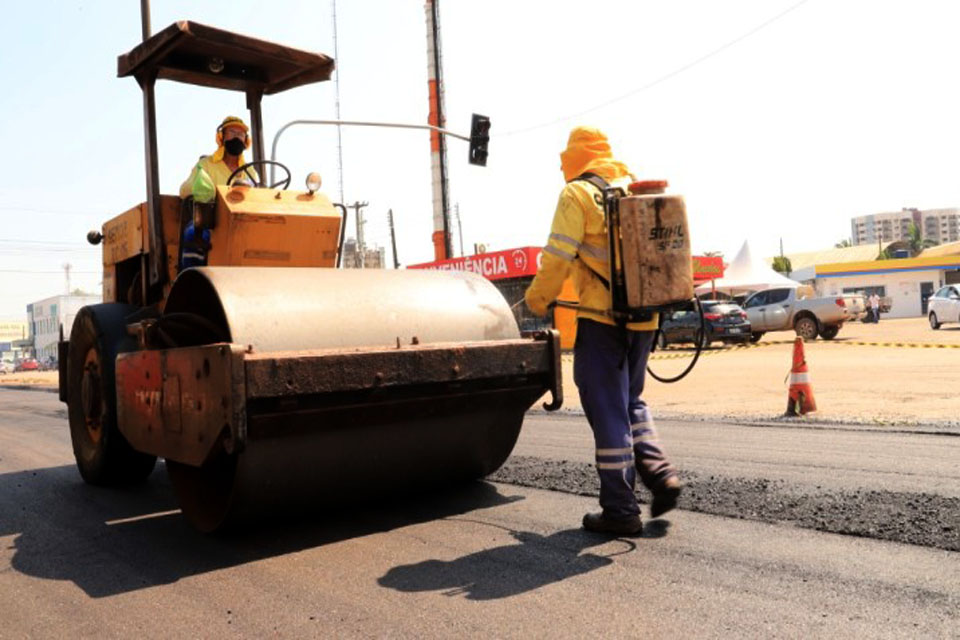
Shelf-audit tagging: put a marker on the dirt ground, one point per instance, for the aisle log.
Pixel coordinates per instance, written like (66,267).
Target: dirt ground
(856,377)
(896,372)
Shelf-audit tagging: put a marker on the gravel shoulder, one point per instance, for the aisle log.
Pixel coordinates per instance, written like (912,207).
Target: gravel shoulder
(899,373)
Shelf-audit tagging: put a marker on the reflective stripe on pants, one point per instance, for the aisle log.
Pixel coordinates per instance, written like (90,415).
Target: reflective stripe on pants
(610,386)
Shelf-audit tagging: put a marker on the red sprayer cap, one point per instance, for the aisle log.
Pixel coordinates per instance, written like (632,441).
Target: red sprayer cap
(647,187)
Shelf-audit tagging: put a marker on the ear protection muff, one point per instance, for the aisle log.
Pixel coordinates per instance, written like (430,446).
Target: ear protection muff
(246,136)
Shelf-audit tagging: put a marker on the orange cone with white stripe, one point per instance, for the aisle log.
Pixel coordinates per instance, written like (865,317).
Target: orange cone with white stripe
(800,397)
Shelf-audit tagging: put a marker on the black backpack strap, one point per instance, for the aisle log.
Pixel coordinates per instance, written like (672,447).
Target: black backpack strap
(593,179)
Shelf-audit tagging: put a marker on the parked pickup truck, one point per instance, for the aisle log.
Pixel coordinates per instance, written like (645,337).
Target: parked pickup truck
(785,310)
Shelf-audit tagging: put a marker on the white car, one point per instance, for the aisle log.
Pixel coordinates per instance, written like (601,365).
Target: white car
(6,367)
(944,306)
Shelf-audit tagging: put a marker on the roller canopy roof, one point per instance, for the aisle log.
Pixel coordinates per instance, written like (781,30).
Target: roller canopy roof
(201,55)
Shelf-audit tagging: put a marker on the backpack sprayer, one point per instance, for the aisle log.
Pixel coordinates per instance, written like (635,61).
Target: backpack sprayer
(649,251)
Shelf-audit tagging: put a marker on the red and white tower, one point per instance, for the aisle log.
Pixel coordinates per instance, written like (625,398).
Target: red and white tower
(438,144)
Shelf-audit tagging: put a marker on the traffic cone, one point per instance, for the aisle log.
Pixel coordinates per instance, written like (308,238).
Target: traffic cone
(800,397)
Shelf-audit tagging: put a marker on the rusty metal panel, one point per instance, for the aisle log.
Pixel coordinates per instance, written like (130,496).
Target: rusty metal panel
(182,404)
(292,373)
(186,52)
(171,400)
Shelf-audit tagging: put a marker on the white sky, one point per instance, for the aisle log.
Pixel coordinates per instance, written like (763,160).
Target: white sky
(835,109)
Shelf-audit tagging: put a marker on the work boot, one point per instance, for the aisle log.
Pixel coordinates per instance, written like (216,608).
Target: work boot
(665,496)
(599,523)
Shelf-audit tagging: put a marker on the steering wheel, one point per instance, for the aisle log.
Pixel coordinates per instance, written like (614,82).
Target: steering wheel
(245,168)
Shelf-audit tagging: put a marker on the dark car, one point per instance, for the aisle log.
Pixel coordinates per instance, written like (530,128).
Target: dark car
(724,321)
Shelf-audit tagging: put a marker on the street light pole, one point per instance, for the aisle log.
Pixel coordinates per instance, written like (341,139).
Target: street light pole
(354,123)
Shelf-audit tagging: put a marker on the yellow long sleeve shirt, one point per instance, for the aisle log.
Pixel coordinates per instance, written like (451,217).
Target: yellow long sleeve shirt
(578,244)
(219,172)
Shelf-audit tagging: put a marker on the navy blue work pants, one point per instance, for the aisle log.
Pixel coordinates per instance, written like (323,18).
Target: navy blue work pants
(609,368)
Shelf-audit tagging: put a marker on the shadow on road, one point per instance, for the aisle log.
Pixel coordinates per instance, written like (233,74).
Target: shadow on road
(110,541)
(533,562)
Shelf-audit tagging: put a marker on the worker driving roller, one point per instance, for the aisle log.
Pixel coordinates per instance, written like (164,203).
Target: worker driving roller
(610,357)
(233,137)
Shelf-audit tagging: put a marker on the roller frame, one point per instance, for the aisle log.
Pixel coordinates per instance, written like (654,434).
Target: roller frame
(188,404)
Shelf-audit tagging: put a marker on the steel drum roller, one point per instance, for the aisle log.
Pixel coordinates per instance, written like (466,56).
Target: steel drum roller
(337,447)
(294,309)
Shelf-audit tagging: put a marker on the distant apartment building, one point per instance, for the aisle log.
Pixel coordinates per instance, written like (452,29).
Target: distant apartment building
(45,317)
(939,225)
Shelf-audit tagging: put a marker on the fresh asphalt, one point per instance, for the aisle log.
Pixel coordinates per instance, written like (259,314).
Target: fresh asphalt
(753,551)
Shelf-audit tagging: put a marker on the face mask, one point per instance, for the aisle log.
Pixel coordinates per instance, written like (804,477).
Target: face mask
(234,146)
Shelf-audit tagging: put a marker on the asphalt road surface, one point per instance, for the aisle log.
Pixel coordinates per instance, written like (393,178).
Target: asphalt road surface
(497,559)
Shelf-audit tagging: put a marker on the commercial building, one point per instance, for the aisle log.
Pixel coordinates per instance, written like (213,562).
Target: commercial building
(938,225)
(907,282)
(45,317)
(13,339)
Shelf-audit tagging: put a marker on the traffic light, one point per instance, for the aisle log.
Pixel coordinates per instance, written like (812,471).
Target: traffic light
(479,138)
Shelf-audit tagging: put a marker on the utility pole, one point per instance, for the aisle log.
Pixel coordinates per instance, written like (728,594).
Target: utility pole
(393,239)
(66,272)
(361,246)
(442,245)
(456,208)
(336,88)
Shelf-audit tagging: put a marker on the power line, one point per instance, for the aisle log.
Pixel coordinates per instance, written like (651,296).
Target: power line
(662,78)
(58,272)
(35,250)
(18,240)
(53,211)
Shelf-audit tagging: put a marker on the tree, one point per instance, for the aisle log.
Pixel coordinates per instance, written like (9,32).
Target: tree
(843,244)
(781,264)
(917,242)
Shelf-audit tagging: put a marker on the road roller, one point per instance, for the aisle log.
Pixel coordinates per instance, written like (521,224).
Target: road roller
(269,379)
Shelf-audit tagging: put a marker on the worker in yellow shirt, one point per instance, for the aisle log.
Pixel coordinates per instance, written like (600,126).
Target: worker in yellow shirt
(610,359)
(233,137)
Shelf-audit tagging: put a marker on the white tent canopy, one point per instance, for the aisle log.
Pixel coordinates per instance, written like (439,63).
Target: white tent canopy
(747,274)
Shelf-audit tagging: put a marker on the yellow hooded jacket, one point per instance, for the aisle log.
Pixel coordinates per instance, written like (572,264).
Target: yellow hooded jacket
(214,165)
(578,235)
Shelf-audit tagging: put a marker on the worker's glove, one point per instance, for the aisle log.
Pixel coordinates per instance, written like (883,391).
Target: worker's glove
(536,304)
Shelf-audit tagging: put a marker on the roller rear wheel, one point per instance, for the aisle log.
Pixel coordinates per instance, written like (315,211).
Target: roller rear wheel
(103,455)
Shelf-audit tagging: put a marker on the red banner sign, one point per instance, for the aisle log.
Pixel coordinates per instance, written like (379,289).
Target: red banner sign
(707,267)
(516,263)
(512,263)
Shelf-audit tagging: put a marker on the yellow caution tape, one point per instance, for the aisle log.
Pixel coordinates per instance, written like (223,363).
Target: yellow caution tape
(661,355)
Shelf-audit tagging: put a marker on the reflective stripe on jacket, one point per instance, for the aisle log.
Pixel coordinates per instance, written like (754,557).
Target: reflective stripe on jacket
(578,245)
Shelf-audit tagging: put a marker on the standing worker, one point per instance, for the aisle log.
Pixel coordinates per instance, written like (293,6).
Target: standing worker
(610,360)
(875,306)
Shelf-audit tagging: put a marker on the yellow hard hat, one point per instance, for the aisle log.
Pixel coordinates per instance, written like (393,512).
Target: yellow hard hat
(232,121)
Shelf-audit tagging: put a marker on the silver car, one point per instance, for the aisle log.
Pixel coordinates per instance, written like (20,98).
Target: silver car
(944,306)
